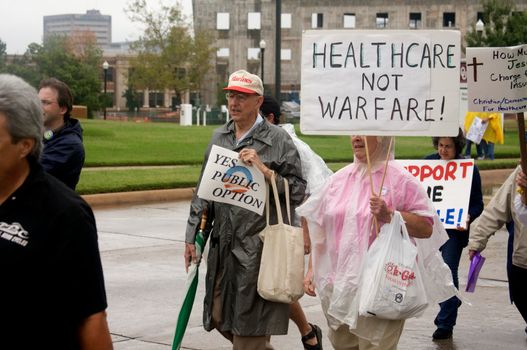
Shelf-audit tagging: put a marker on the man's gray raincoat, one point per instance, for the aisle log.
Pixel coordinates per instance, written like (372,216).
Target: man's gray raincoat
(235,247)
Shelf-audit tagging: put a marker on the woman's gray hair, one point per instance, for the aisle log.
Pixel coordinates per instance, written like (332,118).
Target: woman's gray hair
(20,104)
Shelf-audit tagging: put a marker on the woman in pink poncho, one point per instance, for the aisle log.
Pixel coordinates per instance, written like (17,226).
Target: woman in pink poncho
(340,220)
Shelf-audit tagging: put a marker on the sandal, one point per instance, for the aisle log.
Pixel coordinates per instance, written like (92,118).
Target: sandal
(315,332)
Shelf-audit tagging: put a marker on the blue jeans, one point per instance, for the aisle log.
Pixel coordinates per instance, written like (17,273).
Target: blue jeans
(469,149)
(488,149)
(451,251)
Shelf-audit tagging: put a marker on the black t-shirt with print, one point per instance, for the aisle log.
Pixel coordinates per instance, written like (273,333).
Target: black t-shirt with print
(50,269)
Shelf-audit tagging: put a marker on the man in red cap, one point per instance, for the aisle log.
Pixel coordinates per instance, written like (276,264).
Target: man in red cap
(232,303)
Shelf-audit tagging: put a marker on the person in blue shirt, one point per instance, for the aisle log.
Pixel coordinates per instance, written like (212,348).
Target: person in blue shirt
(449,148)
(63,154)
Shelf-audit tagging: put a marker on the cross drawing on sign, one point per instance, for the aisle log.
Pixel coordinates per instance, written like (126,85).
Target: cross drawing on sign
(475,64)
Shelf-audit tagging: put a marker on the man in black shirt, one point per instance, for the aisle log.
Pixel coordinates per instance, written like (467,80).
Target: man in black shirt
(52,292)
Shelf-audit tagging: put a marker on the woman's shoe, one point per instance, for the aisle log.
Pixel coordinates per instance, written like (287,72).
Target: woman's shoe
(315,332)
(442,333)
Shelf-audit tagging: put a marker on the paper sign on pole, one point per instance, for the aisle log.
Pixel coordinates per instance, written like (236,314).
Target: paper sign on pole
(385,82)
(226,179)
(497,79)
(477,130)
(447,184)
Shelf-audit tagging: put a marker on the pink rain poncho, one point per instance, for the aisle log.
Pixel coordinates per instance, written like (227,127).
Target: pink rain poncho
(341,229)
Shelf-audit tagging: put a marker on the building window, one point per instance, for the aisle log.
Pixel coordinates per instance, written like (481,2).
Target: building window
(223,52)
(253,20)
(286,21)
(381,20)
(317,20)
(253,53)
(109,74)
(285,54)
(415,20)
(349,20)
(449,19)
(222,21)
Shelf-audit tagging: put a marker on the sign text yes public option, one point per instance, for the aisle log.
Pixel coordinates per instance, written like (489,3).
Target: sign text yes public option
(226,179)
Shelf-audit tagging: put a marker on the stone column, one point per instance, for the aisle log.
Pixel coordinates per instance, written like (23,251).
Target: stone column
(146,97)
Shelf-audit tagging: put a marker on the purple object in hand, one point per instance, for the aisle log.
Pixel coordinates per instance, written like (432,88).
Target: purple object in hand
(473,272)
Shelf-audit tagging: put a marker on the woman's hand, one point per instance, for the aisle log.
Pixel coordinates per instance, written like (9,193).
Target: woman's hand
(380,210)
(307,239)
(309,285)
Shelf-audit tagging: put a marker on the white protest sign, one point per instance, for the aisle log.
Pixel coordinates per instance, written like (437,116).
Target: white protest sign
(447,184)
(226,179)
(385,82)
(497,79)
(477,130)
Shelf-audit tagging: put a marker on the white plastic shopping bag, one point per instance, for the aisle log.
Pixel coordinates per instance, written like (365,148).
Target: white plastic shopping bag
(391,283)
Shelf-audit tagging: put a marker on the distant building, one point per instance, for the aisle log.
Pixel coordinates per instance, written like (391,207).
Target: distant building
(239,26)
(93,21)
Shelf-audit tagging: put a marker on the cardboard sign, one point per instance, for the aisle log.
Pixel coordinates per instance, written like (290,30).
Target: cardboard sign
(477,130)
(447,184)
(385,82)
(226,179)
(497,79)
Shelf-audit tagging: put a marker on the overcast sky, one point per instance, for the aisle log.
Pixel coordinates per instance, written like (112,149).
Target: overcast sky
(21,21)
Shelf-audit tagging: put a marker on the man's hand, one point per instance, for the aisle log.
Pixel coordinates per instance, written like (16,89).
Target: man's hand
(190,255)
(521,181)
(250,157)
(472,254)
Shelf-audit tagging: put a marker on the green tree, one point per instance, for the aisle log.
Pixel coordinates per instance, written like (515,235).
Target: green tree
(132,100)
(503,25)
(79,67)
(3,55)
(168,55)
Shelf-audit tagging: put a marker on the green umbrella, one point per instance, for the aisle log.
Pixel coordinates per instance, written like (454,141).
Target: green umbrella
(191,285)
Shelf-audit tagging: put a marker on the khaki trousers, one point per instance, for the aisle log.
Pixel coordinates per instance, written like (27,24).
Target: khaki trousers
(238,342)
(343,339)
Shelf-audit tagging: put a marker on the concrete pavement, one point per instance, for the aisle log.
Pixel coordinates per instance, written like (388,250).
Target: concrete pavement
(142,249)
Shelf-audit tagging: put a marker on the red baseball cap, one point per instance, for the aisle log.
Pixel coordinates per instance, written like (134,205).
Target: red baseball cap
(246,82)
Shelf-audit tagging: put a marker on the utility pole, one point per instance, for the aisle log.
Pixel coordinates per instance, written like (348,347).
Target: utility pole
(278,50)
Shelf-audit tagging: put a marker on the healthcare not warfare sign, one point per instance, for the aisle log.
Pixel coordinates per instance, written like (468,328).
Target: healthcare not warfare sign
(497,79)
(385,82)
(226,179)
(447,184)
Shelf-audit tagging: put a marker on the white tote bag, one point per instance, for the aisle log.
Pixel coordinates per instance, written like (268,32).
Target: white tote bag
(391,282)
(282,266)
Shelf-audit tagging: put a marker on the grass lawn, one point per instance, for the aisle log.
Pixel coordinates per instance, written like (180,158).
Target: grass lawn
(113,143)
(125,180)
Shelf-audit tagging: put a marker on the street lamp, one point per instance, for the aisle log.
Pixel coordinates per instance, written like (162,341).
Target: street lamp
(105,66)
(262,50)
(480,26)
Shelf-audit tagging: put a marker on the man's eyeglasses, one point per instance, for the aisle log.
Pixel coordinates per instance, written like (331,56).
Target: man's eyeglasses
(47,103)
(239,97)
